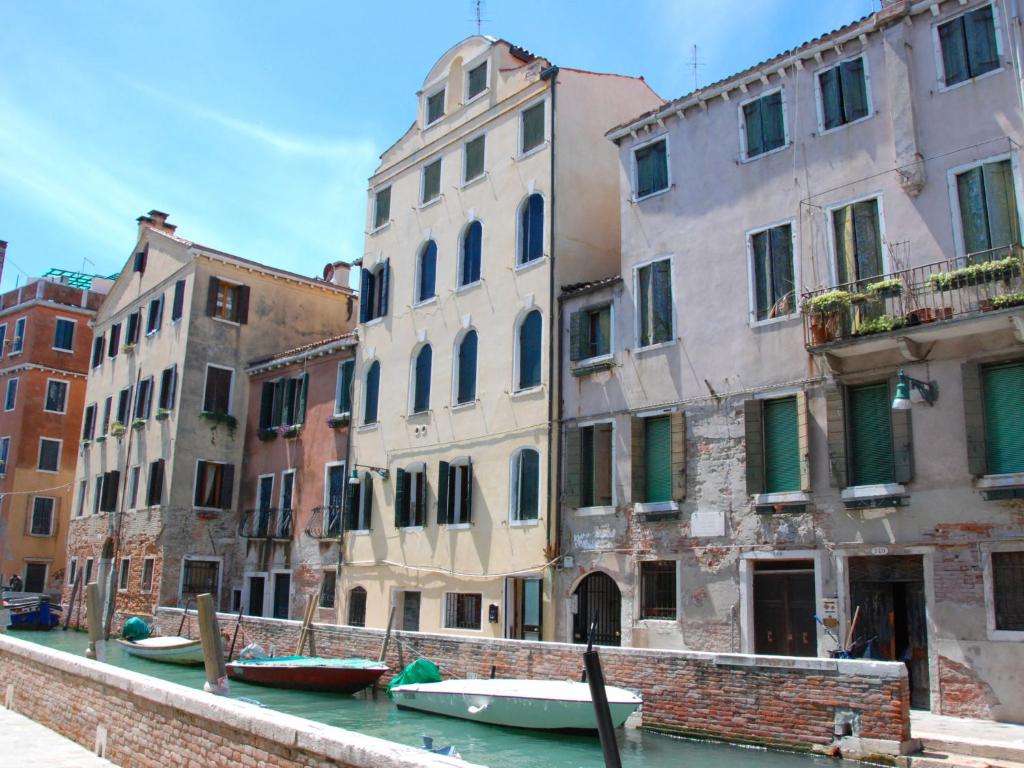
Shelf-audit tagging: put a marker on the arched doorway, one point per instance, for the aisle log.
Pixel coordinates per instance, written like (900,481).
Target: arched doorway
(598,594)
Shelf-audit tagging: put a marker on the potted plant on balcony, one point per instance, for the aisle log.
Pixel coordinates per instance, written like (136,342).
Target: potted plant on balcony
(339,420)
(117,429)
(138,423)
(880,324)
(1008,300)
(975,274)
(886,289)
(825,312)
(162,414)
(289,430)
(266,433)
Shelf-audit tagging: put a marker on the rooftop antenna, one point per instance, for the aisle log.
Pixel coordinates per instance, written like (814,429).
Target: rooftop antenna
(695,63)
(478,15)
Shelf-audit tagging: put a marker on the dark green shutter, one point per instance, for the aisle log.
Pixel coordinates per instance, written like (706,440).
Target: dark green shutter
(855,96)
(573,464)
(1003,387)
(954,51)
(344,404)
(276,415)
(870,434)
(657,459)
(980,31)
(401,498)
(678,446)
(772,122)
(469,492)
(753,411)
(227,486)
(443,511)
(752,118)
(781,446)
(533,127)
(974,419)
(902,439)
(351,515)
(577,335)
(385,286)
(835,412)
(637,469)
(366,500)
(300,416)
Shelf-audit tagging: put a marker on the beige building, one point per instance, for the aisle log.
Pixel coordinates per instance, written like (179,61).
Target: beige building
(502,190)
(157,483)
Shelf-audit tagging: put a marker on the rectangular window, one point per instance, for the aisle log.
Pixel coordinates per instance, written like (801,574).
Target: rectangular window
(49,455)
(343,389)
(72,570)
(651,161)
(147,574)
(139,264)
(199,577)
(1008,590)
(431,184)
(455,492)
(64,335)
(97,351)
(110,488)
(42,516)
(3,338)
(11,395)
(217,393)
(133,487)
(870,434)
(155,317)
(88,571)
(781,445)
(89,422)
(114,342)
(18,342)
(381,207)
(228,301)
(328,586)
(987,201)
(590,333)
(5,449)
(473,159)
(56,400)
(435,106)
(463,610)
(410,497)
(526,485)
(596,469)
(843,92)
(214,482)
(476,81)
(131,327)
(764,125)
(107,407)
(654,303)
(771,251)
(168,388)
(968,45)
(532,127)
(178,304)
(124,400)
(658,587)
(123,573)
(144,398)
(155,489)
(357,607)
(1003,393)
(858,240)
(657,459)
(83,491)
(97,494)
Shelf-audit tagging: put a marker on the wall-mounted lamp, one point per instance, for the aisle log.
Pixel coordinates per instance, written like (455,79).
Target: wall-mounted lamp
(926,389)
(353,478)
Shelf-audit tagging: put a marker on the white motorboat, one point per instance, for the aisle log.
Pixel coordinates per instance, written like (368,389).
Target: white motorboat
(543,704)
(172,650)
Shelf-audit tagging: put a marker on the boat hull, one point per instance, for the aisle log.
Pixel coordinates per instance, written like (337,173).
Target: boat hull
(306,678)
(533,704)
(186,652)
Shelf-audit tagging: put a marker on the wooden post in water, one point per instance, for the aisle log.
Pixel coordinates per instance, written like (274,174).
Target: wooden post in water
(387,635)
(71,603)
(307,627)
(213,647)
(94,618)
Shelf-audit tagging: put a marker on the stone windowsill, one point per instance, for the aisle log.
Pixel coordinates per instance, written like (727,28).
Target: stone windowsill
(790,497)
(867,492)
(1009,480)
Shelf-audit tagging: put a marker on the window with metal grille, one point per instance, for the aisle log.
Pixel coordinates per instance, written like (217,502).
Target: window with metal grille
(968,45)
(843,92)
(42,516)
(462,610)
(658,586)
(1008,589)
(199,577)
(1003,387)
(870,434)
(357,607)
(327,589)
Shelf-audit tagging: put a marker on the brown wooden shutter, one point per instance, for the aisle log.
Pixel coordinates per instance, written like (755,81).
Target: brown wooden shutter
(836,427)
(243,304)
(902,440)
(227,486)
(637,470)
(753,420)
(678,425)
(803,432)
(974,419)
(571,494)
(211,297)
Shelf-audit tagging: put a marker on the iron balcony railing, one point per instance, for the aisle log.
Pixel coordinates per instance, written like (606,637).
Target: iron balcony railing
(269,523)
(942,290)
(325,522)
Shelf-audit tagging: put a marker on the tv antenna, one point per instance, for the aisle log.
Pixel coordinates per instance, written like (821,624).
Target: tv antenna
(478,15)
(695,63)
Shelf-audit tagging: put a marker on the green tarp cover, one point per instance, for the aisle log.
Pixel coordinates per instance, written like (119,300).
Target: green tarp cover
(420,671)
(135,629)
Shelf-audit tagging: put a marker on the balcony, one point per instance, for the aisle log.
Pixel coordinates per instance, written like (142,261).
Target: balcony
(267,523)
(919,303)
(325,522)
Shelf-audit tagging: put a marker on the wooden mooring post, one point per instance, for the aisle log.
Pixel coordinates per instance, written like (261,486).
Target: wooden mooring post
(213,647)
(71,602)
(94,618)
(307,628)
(387,635)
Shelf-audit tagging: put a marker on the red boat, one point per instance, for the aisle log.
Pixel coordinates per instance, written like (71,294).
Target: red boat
(308,673)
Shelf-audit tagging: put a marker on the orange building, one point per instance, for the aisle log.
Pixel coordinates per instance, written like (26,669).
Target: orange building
(45,341)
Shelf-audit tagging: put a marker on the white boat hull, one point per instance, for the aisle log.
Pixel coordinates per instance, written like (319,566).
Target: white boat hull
(538,704)
(170,650)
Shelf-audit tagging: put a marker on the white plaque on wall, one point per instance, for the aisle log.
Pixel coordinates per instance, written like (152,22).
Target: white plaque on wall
(707,524)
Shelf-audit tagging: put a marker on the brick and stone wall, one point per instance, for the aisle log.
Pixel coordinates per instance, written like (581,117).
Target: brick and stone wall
(136,720)
(772,701)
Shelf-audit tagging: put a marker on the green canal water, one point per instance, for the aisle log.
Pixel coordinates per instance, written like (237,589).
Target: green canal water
(482,744)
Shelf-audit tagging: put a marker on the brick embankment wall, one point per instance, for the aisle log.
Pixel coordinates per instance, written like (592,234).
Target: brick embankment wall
(149,723)
(773,701)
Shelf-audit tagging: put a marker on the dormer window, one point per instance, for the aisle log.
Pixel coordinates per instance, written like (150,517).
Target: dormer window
(476,81)
(435,107)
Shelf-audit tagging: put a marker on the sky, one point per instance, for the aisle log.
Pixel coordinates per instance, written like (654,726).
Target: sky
(256,124)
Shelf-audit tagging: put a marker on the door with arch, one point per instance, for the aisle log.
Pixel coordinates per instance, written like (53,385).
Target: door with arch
(597,597)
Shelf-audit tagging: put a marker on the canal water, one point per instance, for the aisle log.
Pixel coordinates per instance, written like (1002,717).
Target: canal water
(482,744)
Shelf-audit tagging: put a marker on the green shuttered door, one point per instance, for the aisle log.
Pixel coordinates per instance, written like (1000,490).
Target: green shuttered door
(1004,411)
(781,446)
(870,435)
(658,459)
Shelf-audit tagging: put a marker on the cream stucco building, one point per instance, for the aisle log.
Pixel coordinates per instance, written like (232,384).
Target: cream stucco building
(503,190)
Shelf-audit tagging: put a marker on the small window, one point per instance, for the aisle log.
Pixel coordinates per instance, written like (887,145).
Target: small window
(469,263)
(476,81)
(455,492)
(473,159)
(114,342)
(381,207)
(139,263)
(435,106)
(42,516)
(199,577)
(156,315)
(764,125)
(844,93)
(431,186)
(357,607)
(144,399)
(5,450)
(374,285)
(123,573)
(155,488)
(3,338)
(651,168)
(531,229)
(1008,590)
(83,491)
(411,497)
(654,303)
(858,241)
(532,127)
(107,409)
(133,487)
(49,455)
(421,380)
(124,399)
(146,583)
(11,395)
(64,335)
(658,587)
(525,491)
(131,328)
(88,571)
(178,304)
(590,333)
(371,392)
(771,251)
(343,388)
(217,397)
(213,485)
(968,45)
(72,570)
(168,388)
(463,610)
(18,342)
(426,272)
(97,494)
(529,343)
(466,356)
(595,468)
(228,301)
(97,351)
(56,396)
(89,422)
(870,434)
(987,200)
(328,586)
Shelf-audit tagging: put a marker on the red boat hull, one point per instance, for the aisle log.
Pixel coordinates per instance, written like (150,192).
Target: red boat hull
(333,680)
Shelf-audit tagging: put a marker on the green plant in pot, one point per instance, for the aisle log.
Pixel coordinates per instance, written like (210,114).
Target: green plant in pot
(880,324)
(976,274)
(886,289)
(825,311)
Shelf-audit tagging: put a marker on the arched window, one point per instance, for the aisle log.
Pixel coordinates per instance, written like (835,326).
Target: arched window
(528,348)
(373,291)
(525,485)
(421,380)
(371,393)
(469,264)
(531,229)
(426,272)
(465,377)
(357,607)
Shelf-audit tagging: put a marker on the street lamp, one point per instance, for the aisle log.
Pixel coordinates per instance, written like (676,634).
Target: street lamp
(926,389)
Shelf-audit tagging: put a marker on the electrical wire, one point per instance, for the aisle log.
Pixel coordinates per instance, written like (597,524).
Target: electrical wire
(447,571)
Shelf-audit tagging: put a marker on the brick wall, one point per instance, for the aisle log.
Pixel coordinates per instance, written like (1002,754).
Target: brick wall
(150,723)
(773,701)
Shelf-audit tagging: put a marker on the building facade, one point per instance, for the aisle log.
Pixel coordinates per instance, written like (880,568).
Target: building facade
(503,189)
(45,340)
(741,455)
(156,489)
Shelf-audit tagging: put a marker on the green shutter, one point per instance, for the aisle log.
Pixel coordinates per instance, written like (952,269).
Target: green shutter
(781,446)
(469,492)
(267,405)
(577,335)
(753,421)
(533,127)
(474,158)
(974,419)
(870,434)
(954,51)
(275,420)
(752,119)
(772,121)
(902,439)
(835,413)
(657,459)
(345,396)
(573,465)
(443,512)
(637,469)
(1004,414)
(351,515)
(401,498)
(300,416)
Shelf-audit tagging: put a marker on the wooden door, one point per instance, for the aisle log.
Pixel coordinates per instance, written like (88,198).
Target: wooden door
(784,612)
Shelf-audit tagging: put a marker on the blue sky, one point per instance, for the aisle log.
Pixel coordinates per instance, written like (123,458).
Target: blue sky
(256,124)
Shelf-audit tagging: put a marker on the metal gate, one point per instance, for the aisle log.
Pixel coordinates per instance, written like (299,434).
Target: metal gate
(598,592)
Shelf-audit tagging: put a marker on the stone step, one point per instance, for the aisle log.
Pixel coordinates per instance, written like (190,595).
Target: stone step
(967,747)
(933,759)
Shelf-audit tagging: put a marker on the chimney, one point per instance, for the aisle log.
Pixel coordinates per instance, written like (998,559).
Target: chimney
(156,220)
(3,257)
(338,272)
